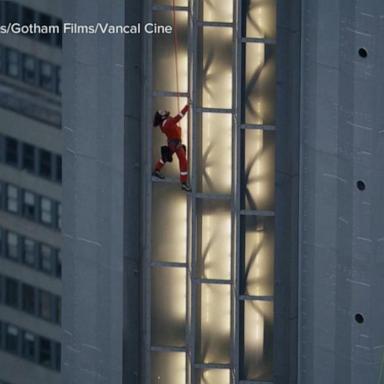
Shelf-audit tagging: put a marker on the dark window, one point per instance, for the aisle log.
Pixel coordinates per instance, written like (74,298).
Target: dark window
(11,292)
(45,305)
(45,164)
(29,345)
(58,37)
(58,356)
(46,258)
(1,245)
(58,168)
(29,205)
(11,339)
(11,12)
(59,214)
(29,69)
(29,157)
(58,263)
(28,298)
(28,16)
(12,246)
(2,59)
(13,63)
(12,199)
(47,76)
(57,310)
(45,20)
(29,252)
(11,151)
(46,211)
(58,81)
(45,352)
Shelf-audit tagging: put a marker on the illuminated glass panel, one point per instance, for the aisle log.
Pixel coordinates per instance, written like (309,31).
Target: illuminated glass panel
(168,368)
(259,255)
(218,10)
(215,323)
(168,306)
(159,139)
(259,170)
(261,18)
(214,376)
(169,223)
(258,340)
(260,84)
(215,169)
(215,232)
(217,67)
(164,63)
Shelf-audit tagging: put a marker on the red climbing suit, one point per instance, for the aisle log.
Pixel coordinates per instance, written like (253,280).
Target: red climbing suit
(172,130)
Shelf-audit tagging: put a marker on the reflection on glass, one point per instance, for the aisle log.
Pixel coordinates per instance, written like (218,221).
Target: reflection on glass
(259,171)
(217,67)
(258,340)
(215,257)
(261,18)
(168,368)
(259,256)
(169,226)
(215,323)
(182,3)
(218,10)
(214,376)
(164,62)
(260,83)
(216,153)
(168,306)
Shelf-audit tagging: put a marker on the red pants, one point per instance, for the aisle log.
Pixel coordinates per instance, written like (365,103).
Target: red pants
(181,155)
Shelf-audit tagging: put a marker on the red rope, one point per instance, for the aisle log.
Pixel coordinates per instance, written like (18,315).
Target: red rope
(176,56)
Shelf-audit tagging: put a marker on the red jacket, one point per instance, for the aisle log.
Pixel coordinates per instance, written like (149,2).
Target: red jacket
(170,127)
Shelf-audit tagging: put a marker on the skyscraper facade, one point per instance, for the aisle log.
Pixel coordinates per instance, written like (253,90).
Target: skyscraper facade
(31,147)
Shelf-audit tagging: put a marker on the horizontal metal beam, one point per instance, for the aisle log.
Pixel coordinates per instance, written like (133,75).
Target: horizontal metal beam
(255,382)
(168,264)
(169,94)
(214,110)
(258,40)
(213,196)
(259,126)
(158,348)
(255,298)
(213,281)
(215,24)
(167,180)
(212,366)
(256,213)
(165,7)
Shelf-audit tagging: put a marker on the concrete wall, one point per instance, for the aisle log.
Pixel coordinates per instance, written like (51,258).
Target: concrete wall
(94,121)
(342,227)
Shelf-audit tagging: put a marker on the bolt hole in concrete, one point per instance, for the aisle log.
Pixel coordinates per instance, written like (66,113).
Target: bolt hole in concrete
(363,52)
(360,185)
(359,318)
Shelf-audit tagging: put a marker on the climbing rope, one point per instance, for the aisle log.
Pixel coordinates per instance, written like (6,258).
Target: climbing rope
(176,48)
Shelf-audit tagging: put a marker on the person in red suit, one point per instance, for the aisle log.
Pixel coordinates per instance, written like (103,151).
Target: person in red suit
(170,127)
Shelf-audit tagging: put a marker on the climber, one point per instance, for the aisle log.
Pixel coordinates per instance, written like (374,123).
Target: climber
(169,126)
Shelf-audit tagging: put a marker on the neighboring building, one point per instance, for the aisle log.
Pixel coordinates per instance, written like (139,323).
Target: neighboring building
(271,270)
(31,146)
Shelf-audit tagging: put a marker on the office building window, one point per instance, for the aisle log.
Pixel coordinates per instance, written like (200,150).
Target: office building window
(28,16)
(11,339)
(46,258)
(12,199)
(59,215)
(47,76)
(46,210)
(29,69)
(28,294)
(45,352)
(29,345)
(29,252)
(58,263)
(11,292)
(45,305)
(29,157)
(2,60)
(45,163)
(45,20)
(58,38)
(58,81)
(13,63)
(12,246)
(58,168)
(29,205)
(11,151)
(1,242)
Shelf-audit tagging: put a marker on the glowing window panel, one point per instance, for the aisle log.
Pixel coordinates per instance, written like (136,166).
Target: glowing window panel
(218,10)
(214,376)
(217,67)
(260,84)
(261,18)
(168,368)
